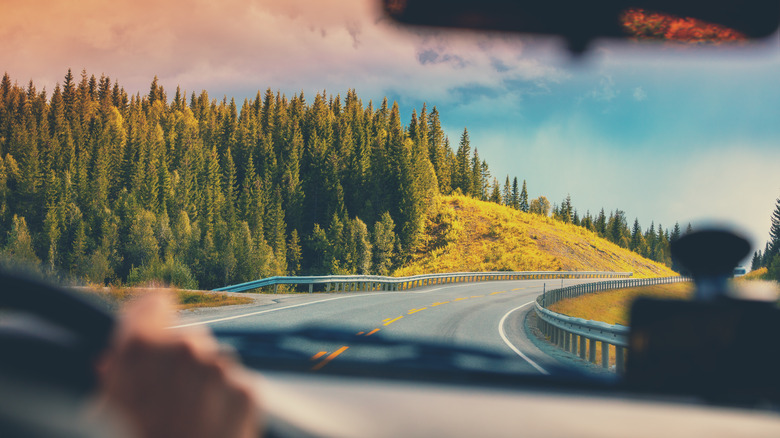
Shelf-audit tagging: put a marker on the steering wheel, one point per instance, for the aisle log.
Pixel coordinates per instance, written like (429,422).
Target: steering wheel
(50,335)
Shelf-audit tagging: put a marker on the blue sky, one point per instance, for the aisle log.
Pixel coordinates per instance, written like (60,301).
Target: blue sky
(665,135)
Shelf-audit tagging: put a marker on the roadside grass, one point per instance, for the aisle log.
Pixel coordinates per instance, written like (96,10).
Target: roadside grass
(470,235)
(185,299)
(613,307)
(758,274)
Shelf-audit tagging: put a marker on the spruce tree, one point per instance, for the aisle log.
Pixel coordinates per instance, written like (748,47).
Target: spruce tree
(601,224)
(462,173)
(507,193)
(523,199)
(515,197)
(756,261)
(384,244)
(774,232)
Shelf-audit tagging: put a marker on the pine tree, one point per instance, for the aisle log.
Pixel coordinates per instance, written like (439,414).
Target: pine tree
(462,173)
(507,193)
(438,149)
(756,261)
(601,224)
(384,243)
(20,247)
(636,237)
(774,232)
(566,210)
(495,193)
(523,198)
(294,254)
(676,232)
(229,213)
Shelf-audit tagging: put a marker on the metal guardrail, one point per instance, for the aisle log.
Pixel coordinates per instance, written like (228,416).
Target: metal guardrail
(344,283)
(581,336)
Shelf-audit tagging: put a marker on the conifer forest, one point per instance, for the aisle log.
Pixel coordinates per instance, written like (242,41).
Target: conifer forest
(116,188)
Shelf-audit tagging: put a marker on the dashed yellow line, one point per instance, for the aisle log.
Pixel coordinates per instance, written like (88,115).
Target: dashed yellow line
(372,332)
(329,358)
(461,299)
(360,333)
(416,310)
(386,319)
(499,292)
(319,355)
(519,288)
(477,296)
(392,320)
(439,303)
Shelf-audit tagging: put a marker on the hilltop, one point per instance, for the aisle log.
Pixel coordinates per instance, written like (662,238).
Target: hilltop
(465,234)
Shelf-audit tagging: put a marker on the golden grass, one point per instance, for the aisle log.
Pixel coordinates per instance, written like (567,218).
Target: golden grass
(613,306)
(185,299)
(470,235)
(758,274)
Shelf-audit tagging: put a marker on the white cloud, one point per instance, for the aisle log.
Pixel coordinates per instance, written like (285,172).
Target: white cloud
(252,44)
(640,94)
(606,90)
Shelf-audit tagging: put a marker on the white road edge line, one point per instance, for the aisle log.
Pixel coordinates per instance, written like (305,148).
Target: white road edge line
(509,344)
(244,315)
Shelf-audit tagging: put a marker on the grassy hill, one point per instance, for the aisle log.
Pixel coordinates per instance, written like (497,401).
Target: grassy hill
(470,235)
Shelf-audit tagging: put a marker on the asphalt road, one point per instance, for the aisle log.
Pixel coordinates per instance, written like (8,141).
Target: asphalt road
(486,315)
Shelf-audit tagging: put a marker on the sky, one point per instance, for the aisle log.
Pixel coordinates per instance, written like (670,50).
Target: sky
(664,135)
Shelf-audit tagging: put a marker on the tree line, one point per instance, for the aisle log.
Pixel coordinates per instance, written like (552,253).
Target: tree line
(112,187)
(769,258)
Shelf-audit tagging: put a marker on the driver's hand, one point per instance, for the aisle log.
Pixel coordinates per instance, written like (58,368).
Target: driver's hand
(170,383)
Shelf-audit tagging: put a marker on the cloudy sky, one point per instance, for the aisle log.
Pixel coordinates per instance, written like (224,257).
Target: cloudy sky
(664,135)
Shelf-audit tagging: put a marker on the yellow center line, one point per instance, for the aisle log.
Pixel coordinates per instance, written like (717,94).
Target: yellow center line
(416,310)
(477,296)
(519,288)
(386,319)
(393,320)
(372,332)
(329,358)
(438,304)
(461,299)
(360,333)
(319,355)
(499,292)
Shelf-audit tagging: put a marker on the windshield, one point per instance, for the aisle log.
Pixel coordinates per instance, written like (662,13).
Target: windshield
(203,145)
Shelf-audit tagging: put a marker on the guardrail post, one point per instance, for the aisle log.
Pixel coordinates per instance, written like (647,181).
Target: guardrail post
(605,354)
(327,287)
(566,340)
(591,351)
(583,345)
(311,287)
(275,287)
(620,364)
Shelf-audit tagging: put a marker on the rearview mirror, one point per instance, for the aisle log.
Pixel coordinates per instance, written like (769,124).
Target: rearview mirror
(580,22)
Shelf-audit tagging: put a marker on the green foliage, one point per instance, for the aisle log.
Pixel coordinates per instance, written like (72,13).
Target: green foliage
(540,206)
(384,243)
(774,235)
(111,187)
(19,245)
(168,273)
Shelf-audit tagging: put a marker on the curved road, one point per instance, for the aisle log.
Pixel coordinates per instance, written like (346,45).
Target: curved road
(487,315)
